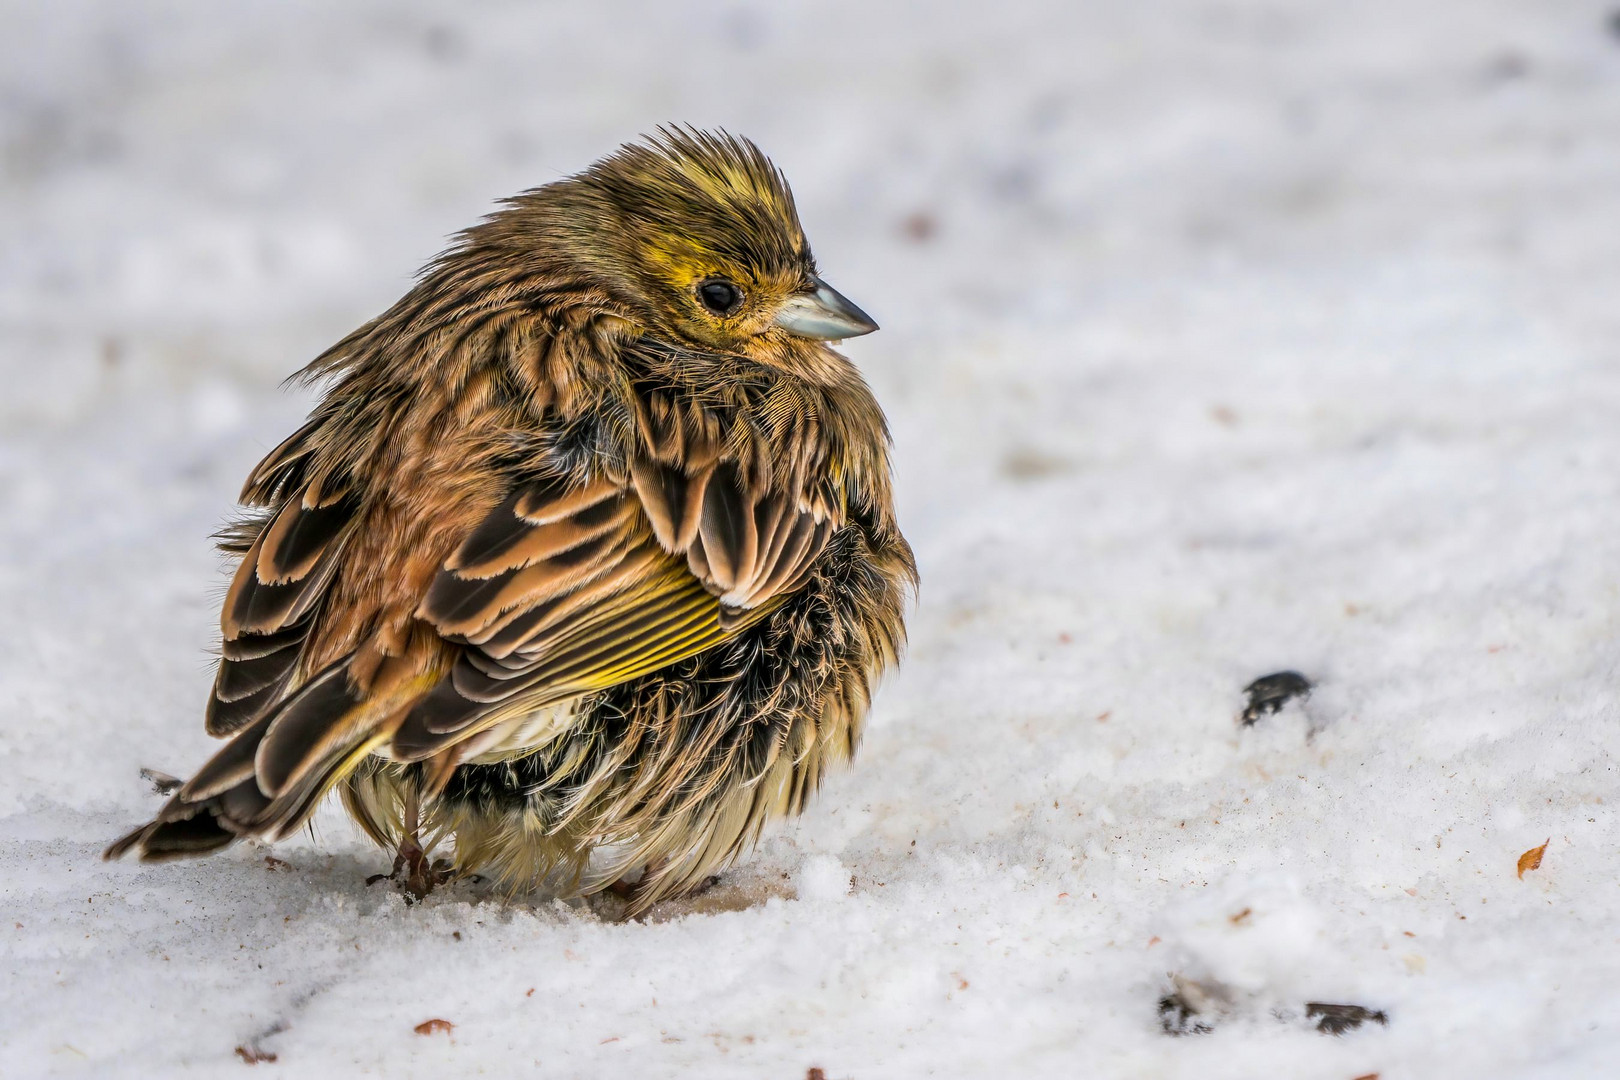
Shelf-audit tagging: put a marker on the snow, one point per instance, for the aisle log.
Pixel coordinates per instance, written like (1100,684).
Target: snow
(1220,338)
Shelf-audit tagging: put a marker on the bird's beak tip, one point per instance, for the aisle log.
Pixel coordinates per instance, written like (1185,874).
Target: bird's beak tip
(824,314)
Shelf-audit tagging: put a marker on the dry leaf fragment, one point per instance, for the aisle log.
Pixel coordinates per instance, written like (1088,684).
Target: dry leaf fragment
(434,1027)
(815,1073)
(252,1055)
(1531,860)
(1367,1076)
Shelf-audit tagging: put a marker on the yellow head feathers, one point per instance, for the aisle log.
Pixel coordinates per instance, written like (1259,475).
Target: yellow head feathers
(690,236)
(711,222)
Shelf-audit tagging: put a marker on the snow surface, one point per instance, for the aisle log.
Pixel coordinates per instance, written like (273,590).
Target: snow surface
(1220,338)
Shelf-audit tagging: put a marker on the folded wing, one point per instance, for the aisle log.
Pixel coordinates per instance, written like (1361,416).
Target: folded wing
(567,588)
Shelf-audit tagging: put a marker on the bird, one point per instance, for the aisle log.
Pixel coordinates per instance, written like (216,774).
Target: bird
(585,565)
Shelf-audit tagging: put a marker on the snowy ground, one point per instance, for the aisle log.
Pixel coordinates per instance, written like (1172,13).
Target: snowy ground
(1219,338)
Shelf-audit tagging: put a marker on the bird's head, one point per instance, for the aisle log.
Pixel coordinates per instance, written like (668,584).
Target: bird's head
(696,235)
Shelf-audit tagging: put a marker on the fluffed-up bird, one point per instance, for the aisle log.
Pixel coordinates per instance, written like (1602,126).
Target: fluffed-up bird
(586,562)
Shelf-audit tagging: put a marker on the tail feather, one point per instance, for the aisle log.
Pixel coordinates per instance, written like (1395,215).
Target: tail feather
(305,729)
(228,768)
(268,780)
(182,838)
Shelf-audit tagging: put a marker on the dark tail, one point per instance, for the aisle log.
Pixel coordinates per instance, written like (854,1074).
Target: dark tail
(269,778)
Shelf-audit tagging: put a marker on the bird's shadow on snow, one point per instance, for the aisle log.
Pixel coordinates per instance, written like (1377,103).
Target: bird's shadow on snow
(314,874)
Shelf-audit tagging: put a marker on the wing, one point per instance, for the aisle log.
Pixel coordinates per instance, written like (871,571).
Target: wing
(567,588)
(272,600)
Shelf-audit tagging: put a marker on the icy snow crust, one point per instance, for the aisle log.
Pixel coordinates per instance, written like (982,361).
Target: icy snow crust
(1218,339)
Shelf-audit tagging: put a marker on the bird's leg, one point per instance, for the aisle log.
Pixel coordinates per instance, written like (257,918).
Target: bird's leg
(410,848)
(407,844)
(419,877)
(412,872)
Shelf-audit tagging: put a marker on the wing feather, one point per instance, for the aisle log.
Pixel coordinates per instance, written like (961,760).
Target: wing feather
(268,609)
(565,589)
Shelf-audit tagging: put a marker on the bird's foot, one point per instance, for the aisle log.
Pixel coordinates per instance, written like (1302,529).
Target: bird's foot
(629,890)
(414,873)
(701,887)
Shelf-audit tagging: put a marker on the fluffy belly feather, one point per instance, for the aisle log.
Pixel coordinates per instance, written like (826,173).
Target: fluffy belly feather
(522,734)
(513,737)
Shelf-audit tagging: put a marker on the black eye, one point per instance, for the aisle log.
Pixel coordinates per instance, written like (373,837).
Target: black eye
(720,297)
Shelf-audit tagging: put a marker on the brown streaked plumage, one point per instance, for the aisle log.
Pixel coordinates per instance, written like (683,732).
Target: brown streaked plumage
(588,558)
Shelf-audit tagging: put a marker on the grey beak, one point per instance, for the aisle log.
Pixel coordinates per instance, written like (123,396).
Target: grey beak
(825,315)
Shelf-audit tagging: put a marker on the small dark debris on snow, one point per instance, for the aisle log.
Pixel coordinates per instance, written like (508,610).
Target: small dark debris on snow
(434,1027)
(815,1073)
(252,1055)
(919,227)
(1178,1017)
(1271,692)
(1193,1007)
(1506,66)
(162,783)
(1337,1019)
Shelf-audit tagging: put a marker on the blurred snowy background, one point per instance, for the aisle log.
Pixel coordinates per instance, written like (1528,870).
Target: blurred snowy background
(1219,337)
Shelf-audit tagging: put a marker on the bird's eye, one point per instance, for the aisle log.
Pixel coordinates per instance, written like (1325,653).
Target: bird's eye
(720,297)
